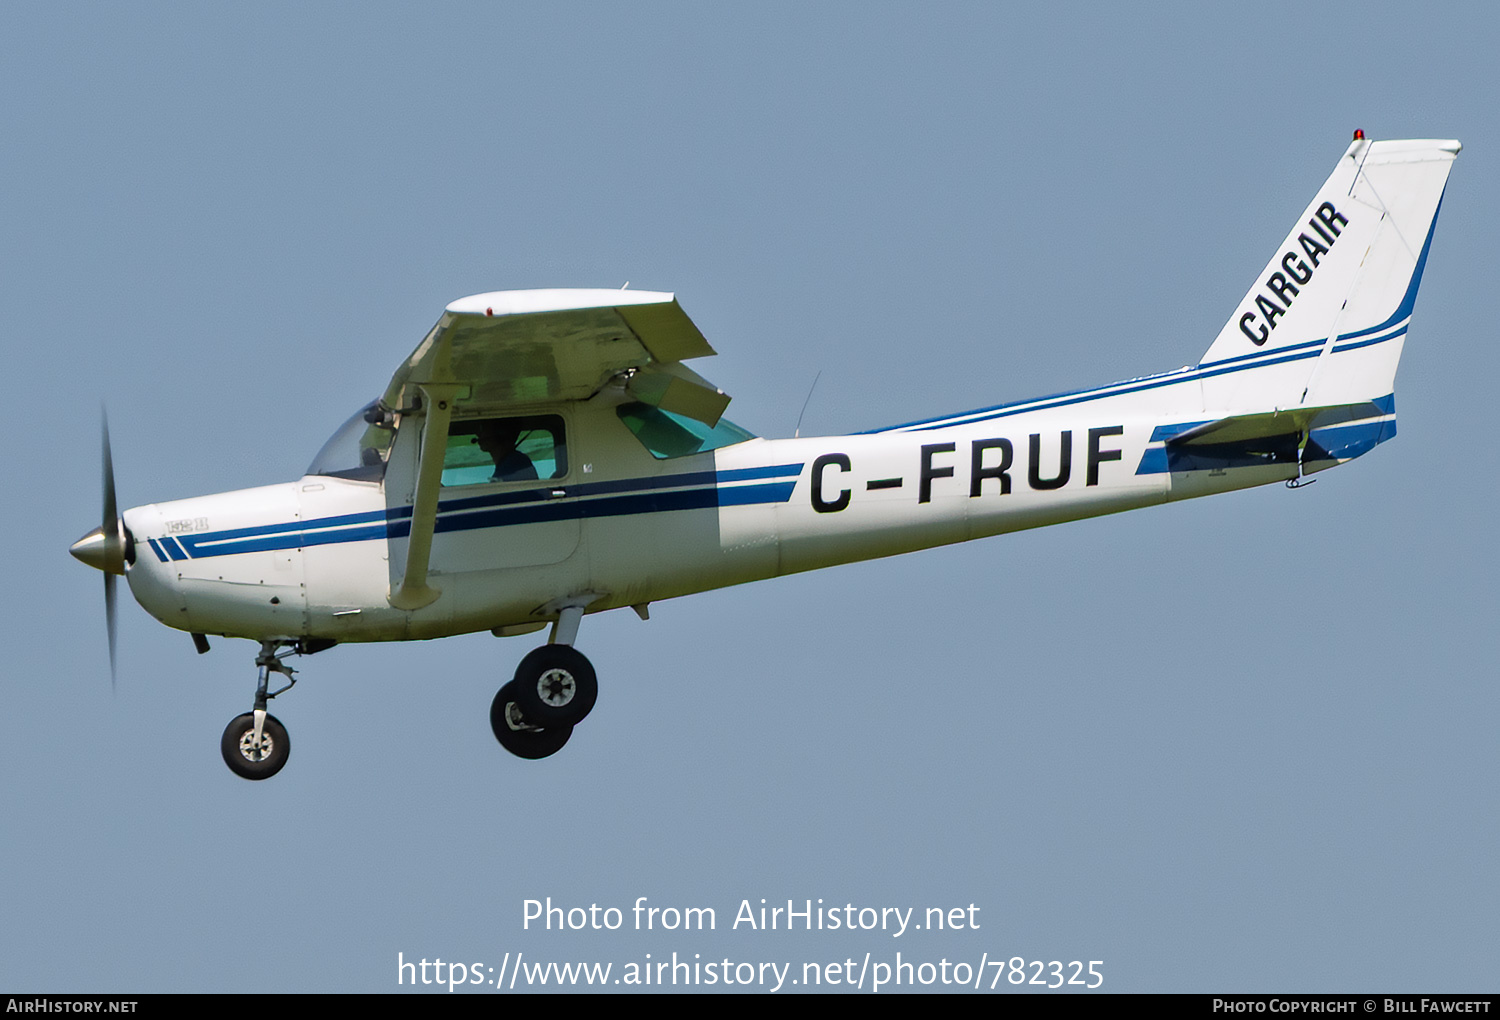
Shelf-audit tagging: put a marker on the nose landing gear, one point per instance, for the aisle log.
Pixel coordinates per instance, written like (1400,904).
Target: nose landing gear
(255,745)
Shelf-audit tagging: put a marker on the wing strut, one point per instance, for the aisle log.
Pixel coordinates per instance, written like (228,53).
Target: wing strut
(437,399)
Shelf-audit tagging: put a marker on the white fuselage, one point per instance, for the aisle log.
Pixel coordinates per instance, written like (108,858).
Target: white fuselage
(318,558)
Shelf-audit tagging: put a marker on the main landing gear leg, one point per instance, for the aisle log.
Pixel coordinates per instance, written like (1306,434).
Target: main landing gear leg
(255,745)
(554,689)
(565,628)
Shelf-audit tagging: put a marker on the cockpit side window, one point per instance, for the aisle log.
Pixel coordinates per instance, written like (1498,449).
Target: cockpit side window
(524,448)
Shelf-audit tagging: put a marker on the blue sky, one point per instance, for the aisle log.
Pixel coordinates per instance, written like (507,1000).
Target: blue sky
(1243,743)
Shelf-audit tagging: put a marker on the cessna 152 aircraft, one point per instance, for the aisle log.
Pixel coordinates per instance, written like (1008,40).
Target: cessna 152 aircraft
(547,454)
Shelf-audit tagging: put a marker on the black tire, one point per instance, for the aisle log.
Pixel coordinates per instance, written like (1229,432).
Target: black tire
(555,685)
(515,732)
(248,764)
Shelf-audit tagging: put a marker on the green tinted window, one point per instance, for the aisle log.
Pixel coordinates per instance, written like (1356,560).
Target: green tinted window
(521,449)
(668,435)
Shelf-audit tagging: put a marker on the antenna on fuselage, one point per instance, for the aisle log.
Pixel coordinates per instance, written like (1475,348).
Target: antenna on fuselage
(797,432)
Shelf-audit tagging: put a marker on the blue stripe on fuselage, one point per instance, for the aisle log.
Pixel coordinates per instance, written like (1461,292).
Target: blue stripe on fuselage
(693,490)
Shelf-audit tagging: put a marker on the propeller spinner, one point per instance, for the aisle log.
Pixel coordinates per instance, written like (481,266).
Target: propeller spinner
(108,547)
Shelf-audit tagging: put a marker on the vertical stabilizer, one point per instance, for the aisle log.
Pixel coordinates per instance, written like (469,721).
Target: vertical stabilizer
(1327,317)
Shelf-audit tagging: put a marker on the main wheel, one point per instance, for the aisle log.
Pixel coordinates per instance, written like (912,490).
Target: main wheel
(555,685)
(247,760)
(515,732)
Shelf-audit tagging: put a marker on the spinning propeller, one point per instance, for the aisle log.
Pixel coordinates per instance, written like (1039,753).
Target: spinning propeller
(108,547)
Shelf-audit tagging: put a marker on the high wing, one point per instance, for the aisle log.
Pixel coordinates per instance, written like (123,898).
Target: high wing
(512,348)
(525,346)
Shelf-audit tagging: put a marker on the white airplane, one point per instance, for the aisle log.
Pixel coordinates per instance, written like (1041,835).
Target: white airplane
(546,454)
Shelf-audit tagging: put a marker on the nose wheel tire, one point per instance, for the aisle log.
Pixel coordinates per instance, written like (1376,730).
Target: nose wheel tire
(517,734)
(247,759)
(555,685)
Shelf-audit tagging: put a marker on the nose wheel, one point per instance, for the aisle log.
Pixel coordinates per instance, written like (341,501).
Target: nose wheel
(255,757)
(255,745)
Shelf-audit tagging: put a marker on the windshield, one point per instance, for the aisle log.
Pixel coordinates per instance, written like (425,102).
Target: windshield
(358,449)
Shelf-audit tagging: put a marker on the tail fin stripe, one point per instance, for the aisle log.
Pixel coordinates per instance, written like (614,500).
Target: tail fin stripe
(1305,345)
(1264,354)
(1374,340)
(1299,356)
(1409,299)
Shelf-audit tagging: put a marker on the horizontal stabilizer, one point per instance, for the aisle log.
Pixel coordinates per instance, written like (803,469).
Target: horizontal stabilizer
(1314,437)
(1242,427)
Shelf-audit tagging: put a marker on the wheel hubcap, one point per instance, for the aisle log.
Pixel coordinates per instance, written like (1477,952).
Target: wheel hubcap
(250,751)
(556,687)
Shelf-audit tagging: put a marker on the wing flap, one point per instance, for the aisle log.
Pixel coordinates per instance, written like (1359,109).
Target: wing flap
(677,388)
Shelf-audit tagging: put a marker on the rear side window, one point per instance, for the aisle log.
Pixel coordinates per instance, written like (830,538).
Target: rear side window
(667,435)
(527,448)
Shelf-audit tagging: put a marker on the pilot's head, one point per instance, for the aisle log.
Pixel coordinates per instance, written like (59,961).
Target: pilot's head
(496,438)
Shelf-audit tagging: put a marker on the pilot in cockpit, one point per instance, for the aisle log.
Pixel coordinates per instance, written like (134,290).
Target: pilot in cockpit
(500,440)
